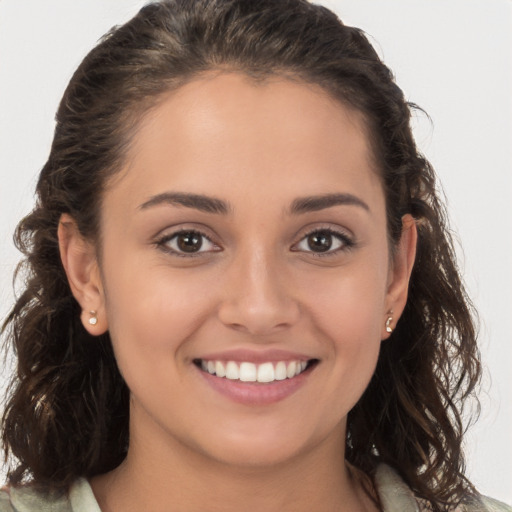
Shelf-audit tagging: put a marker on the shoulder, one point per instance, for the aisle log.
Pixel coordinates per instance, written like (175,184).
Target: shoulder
(492,505)
(394,494)
(27,499)
(5,500)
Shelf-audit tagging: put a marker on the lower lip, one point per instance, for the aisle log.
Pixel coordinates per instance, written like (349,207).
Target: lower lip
(255,393)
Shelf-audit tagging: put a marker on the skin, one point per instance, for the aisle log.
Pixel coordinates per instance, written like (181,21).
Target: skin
(257,284)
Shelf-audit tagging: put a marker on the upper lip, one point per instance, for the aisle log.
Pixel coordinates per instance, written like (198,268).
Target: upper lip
(255,356)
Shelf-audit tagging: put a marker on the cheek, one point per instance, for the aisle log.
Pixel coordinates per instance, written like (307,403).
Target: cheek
(348,304)
(347,310)
(152,313)
(152,318)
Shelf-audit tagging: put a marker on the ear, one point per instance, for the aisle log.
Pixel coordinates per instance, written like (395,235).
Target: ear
(400,274)
(80,263)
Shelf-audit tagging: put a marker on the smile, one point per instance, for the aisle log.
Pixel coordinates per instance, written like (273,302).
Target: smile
(251,372)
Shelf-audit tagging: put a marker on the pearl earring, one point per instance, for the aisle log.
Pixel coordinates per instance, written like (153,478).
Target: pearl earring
(94,319)
(389,329)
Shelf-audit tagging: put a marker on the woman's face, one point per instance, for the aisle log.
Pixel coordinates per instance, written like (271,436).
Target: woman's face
(246,236)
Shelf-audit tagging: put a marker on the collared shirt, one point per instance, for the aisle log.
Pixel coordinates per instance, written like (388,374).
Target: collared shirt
(394,496)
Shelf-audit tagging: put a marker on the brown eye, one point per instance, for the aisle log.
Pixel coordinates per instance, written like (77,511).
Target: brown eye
(324,241)
(320,241)
(186,243)
(189,242)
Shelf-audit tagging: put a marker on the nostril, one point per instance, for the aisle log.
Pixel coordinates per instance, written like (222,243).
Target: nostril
(257,322)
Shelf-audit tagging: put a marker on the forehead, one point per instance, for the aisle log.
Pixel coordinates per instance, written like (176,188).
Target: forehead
(226,131)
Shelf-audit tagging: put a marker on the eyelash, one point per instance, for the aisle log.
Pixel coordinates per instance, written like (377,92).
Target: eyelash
(162,243)
(346,242)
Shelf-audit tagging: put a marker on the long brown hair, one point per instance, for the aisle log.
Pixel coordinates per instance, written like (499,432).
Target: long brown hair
(67,411)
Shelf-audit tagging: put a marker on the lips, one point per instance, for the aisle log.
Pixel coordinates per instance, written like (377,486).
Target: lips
(255,378)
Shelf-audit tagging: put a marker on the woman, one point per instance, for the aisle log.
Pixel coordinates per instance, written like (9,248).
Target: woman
(242,291)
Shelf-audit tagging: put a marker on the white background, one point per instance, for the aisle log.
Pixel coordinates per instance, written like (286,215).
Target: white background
(452,57)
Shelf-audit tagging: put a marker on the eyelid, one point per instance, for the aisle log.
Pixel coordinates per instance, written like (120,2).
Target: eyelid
(348,241)
(161,241)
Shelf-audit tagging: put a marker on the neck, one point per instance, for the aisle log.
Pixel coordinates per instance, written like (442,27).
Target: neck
(176,477)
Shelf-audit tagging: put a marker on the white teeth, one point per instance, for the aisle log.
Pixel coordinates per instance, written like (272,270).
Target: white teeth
(251,372)
(266,372)
(232,371)
(280,371)
(220,371)
(248,372)
(290,371)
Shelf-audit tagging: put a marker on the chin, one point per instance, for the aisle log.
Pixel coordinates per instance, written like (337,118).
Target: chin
(259,448)
(254,456)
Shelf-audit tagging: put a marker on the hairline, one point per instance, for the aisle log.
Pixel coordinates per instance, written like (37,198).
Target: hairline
(138,111)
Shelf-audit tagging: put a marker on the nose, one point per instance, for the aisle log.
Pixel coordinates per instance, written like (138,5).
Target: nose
(256,296)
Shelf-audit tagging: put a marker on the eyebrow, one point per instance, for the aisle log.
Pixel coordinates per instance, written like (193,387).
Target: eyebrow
(214,205)
(321,202)
(197,201)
